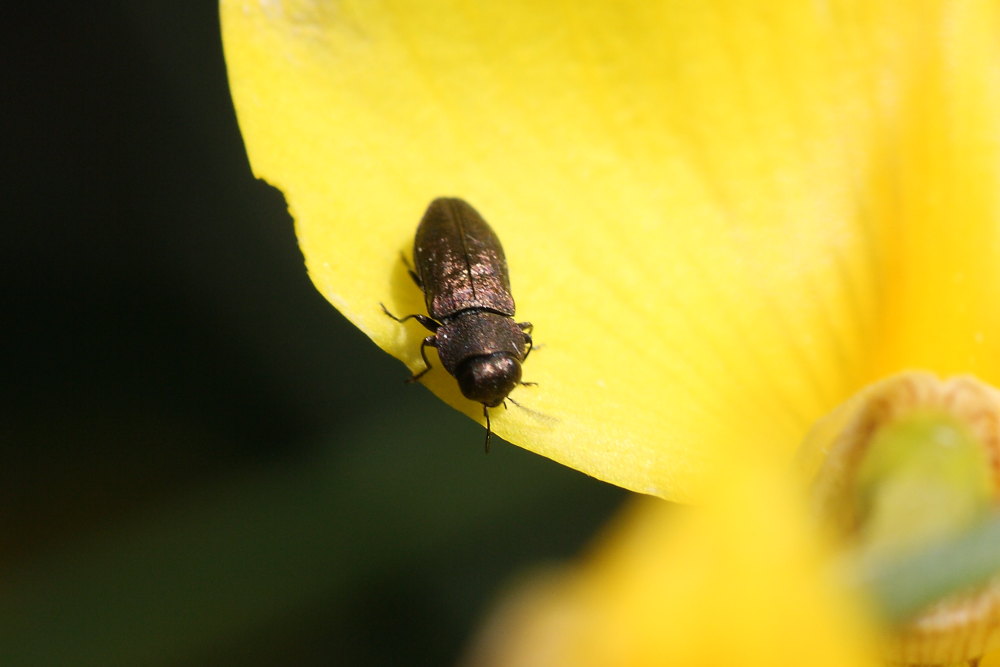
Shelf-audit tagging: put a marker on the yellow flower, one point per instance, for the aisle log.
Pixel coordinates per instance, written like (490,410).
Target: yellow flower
(722,217)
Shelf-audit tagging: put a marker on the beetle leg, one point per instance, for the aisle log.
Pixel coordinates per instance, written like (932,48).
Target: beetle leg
(489,431)
(423,319)
(529,343)
(429,341)
(409,269)
(526,327)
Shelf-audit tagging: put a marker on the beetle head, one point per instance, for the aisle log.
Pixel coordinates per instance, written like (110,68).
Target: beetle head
(488,379)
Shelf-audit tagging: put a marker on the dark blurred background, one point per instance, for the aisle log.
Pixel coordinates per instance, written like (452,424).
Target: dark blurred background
(202,462)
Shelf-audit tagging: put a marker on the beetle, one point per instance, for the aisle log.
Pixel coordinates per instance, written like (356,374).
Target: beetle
(462,270)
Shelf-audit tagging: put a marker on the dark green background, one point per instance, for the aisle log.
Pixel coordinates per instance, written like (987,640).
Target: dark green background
(204,463)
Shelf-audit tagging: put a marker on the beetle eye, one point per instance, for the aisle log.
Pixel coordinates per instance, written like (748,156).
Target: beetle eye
(488,379)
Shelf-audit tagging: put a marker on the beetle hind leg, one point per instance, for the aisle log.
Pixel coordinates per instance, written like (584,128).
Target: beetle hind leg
(409,269)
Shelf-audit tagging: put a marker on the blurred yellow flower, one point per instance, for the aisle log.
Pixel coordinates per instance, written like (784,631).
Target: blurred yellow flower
(738,581)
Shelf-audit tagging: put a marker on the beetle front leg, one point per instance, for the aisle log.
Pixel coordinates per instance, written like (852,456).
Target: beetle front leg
(430,341)
(527,341)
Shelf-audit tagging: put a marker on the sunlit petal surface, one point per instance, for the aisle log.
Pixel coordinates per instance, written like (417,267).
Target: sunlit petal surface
(722,217)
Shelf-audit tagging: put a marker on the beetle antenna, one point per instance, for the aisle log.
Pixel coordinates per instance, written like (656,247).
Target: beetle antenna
(486,413)
(536,413)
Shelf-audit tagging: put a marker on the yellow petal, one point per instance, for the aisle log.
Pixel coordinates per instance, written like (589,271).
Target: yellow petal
(941,197)
(739,582)
(693,198)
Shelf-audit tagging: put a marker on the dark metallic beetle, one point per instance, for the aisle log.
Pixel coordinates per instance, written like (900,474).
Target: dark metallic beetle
(461,268)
